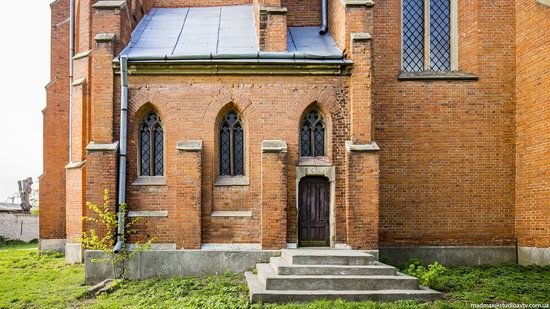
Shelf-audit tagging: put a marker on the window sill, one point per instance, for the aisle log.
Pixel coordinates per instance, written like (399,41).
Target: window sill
(150,181)
(232,181)
(431,76)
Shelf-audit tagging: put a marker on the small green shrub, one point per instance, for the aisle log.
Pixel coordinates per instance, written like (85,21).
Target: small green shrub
(428,276)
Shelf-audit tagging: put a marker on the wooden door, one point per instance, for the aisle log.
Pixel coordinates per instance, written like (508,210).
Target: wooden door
(313,209)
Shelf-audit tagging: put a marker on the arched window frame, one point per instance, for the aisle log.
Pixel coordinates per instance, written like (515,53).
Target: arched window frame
(231,142)
(153,163)
(309,140)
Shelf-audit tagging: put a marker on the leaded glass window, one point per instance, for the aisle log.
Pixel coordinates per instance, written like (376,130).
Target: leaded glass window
(312,135)
(231,145)
(427,32)
(151,146)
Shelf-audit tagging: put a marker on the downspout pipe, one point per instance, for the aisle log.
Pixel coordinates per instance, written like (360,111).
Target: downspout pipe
(122,154)
(324,23)
(71,75)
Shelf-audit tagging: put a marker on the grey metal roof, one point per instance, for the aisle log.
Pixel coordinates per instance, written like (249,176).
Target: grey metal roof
(223,32)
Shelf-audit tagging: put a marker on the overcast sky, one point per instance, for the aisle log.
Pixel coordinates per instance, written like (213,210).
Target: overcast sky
(25,57)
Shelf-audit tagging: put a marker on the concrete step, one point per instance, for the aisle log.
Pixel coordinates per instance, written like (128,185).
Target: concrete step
(282,267)
(326,257)
(258,294)
(273,281)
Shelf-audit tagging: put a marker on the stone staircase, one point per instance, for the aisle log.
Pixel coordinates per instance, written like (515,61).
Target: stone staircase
(303,275)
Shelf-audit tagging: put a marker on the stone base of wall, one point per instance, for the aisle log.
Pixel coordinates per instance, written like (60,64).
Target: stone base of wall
(449,256)
(533,255)
(174,263)
(52,245)
(73,253)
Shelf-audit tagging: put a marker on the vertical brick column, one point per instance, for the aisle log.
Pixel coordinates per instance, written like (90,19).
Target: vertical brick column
(188,194)
(74,210)
(361,88)
(274,194)
(363,196)
(110,32)
(56,135)
(273,29)
(101,175)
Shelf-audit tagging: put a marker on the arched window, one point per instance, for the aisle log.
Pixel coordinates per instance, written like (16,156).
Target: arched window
(151,146)
(231,145)
(312,135)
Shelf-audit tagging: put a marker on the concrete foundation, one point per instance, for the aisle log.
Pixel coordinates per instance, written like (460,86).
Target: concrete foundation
(52,245)
(151,264)
(533,256)
(73,253)
(449,256)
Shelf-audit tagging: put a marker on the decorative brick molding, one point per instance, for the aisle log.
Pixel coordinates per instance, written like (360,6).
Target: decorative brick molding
(274,146)
(104,37)
(148,213)
(109,5)
(372,146)
(231,214)
(358,3)
(189,146)
(93,147)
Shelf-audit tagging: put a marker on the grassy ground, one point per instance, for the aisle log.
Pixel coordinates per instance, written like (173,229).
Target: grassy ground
(44,281)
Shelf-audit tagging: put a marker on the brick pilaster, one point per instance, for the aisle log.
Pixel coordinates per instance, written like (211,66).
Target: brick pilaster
(363,199)
(361,88)
(273,28)
(101,175)
(274,194)
(188,194)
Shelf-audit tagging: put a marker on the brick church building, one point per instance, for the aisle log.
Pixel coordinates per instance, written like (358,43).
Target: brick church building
(416,128)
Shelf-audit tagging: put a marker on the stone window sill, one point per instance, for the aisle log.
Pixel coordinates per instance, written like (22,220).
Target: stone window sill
(150,181)
(434,76)
(232,181)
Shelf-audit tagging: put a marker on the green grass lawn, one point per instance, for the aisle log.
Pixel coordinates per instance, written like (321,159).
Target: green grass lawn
(45,281)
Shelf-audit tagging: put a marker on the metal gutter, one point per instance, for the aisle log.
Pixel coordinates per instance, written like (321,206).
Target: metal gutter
(239,57)
(122,153)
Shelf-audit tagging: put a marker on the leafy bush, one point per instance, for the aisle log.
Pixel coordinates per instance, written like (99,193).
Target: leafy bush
(428,276)
(106,219)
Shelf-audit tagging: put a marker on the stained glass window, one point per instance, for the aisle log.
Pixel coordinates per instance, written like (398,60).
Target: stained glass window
(231,145)
(312,135)
(151,146)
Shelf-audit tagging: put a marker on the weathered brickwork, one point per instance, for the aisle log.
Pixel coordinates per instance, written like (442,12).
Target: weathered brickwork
(56,128)
(461,162)
(533,125)
(447,147)
(303,12)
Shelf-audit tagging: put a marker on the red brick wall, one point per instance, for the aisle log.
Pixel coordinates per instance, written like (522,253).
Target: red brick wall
(56,128)
(533,124)
(303,12)
(447,147)
(271,108)
(274,199)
